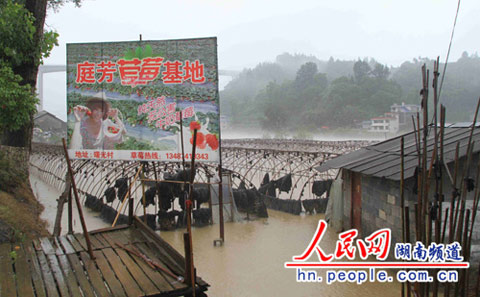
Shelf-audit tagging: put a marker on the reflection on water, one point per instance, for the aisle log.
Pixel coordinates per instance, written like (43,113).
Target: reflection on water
(251,261)
(48,195)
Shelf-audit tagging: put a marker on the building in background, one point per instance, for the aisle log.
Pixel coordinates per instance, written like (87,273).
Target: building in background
(398,119)
(48,128)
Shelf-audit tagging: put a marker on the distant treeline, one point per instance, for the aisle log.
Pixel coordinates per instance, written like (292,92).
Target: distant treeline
(299,93)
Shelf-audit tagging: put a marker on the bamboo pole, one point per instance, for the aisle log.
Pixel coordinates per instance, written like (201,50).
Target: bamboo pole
(452,209)
(454,195)
(425,76)
(437,202)
(126,195)
(465,172)
(402,197)
(406,215)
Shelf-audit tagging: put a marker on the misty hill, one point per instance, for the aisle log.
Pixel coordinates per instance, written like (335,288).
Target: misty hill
(299,92)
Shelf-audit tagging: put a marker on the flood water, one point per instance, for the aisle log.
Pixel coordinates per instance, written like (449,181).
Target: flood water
(251,261)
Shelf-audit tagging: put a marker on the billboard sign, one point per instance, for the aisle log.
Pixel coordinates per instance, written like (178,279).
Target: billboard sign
(125,100)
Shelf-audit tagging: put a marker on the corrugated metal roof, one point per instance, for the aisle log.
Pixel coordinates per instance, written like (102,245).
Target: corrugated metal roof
(383,159)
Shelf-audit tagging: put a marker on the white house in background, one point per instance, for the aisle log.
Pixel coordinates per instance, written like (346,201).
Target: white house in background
(386,124)
(405,112)
(399,118)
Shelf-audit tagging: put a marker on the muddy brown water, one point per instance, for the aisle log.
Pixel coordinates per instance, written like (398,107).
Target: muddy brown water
(251,261)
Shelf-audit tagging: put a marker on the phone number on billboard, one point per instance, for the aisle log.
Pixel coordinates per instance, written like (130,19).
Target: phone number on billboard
(178,156)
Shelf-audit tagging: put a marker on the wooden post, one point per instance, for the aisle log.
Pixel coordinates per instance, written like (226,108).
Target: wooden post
(232,219)
(189,203)
(70,211)
(210,199)
(477,288)
(143,200)
(77,200)
(130,202)
(188,264)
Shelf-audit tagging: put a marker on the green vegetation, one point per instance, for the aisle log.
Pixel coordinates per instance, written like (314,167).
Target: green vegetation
(301,94)
(19,210)
(23,45)
(16,46)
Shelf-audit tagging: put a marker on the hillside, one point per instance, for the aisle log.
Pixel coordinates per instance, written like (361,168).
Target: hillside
(302,93)
(19,209)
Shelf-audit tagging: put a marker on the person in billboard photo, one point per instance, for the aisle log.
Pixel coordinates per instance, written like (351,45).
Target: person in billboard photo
(97,126)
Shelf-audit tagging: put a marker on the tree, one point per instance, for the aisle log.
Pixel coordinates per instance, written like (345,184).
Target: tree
(380,71)
(23,45)
(305,75)
(361,70)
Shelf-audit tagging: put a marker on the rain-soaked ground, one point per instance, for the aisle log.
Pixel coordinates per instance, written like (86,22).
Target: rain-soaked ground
(251,261)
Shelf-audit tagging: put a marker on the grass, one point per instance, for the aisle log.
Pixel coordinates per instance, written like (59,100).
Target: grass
(19,209)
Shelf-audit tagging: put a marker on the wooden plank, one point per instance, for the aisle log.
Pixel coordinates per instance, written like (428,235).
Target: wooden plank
(35,271)
(58,247)
(58,275)
(118,227)
(108,274)
(74,243)
(147,251)
(164,253)
(70,279)
(50,285)
(36,244)
(151,235)
(96,245)
(7,277)
(129,284)
(131,236)
(24,279)
(169,280)
(111,241)
(157,278)
(143,281)
(115,237)
(86,286)
(47,247)
(164,257)
(81,239)
(101,240)
(67,246)
(168,249)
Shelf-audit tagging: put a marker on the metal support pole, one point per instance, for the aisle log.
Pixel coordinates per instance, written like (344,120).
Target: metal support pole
(220,204)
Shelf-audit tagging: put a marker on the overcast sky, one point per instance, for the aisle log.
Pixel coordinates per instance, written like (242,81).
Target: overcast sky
(254,31)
